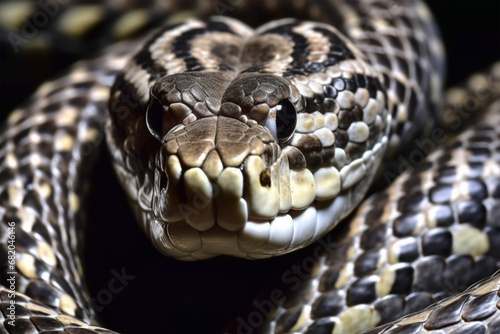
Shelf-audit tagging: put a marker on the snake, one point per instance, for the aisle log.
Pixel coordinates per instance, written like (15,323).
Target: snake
(254,142)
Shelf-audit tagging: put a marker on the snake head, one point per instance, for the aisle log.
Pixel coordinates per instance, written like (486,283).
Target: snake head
(219,168)
(256,145)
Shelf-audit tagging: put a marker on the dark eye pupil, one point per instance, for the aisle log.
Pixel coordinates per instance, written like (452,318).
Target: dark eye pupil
(154,119)
(286,119)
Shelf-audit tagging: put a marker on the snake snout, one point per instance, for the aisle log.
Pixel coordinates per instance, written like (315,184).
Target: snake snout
(219,172)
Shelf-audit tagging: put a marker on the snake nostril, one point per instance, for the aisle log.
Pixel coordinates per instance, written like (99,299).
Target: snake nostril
(265,178)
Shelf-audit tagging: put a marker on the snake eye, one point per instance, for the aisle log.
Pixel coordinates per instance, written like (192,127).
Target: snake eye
(282,121)
(155,119)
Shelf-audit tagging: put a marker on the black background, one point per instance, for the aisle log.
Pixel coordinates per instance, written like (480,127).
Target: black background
(171,296)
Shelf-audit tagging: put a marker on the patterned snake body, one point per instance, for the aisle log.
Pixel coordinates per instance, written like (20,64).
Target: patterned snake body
(436,230)
(232,141)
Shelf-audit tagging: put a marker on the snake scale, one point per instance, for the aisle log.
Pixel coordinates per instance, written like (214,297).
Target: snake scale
(255,142)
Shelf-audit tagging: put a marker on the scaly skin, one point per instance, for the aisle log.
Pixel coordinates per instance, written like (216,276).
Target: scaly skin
(39,261)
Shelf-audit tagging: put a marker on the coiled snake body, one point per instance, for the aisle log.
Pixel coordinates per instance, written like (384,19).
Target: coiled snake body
(253,143)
